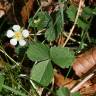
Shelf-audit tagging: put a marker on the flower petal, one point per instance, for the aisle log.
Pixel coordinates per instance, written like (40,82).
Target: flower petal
(10,33)
(13,41)
(25,33)
(16,27)
(22,42)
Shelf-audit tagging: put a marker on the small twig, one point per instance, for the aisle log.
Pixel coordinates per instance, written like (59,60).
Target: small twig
(17,64)
(34,87)
(72,39)
(39,32)
(51,89)
(72,29)
(78,86)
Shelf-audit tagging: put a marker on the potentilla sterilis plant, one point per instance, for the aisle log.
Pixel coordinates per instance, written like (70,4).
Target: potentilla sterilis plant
(17,34)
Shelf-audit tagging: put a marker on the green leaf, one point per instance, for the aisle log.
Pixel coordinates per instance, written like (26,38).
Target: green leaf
(71,12)
(63,92)
(42,19)
(50,33)
(63,57)
(94,11)
(1,81)
(42,73)
(87,12)
(58,24)
(83,19)
(38,52)
(82,24)
(61,0)
(75,94)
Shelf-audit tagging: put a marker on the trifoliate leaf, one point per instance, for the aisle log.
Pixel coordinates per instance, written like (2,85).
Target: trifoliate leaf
(42,73)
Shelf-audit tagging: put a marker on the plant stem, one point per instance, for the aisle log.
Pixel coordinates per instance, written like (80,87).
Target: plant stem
(78,86)
(34,88)
(72,39)
(9,57)
(72,29)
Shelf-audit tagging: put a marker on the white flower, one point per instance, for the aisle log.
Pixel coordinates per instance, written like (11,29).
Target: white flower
(16,27)
(17,34)
(22,42)
(10,33)
(13,41)
(25,33)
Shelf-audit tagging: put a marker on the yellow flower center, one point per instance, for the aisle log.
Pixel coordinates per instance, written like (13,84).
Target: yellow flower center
(18,35)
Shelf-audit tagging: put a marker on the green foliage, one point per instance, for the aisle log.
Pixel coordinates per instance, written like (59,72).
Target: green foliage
(94,11)
(54,28)
(75,94)
(63,92)
(42,73)
(83,19)
(87,12)
(50,32)
(17,92)
(61,0)
(63,57)
(20,51)
(40,21)
(58,26)
(44,20)
(38,52)
(71,12)
(82,23)
(50,25)
(1,81)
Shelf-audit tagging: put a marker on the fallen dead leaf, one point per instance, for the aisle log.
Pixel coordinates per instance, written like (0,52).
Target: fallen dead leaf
(26,11)
(84,62)
(61,81)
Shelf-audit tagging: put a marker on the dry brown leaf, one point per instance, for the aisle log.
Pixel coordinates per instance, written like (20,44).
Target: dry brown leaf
(84,62)
(61,81)
(60,40)
(89,90)
(26,10)
(75,2)
(45,3)
(4,7)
